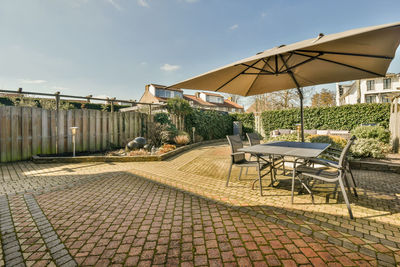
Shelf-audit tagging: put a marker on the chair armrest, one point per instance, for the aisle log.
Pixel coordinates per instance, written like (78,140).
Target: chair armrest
(237,153)
(323,162)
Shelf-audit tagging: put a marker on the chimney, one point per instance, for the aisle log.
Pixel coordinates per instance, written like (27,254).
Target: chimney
(197,94)
(147,87)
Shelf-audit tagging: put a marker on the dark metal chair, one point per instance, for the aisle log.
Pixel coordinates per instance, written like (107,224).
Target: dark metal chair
(239,159)
(255,139)
(338,175)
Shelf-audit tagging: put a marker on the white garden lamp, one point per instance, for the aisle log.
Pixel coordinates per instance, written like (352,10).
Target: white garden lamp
(73,131)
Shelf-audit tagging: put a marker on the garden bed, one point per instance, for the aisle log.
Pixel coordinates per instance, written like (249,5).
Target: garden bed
(103,158)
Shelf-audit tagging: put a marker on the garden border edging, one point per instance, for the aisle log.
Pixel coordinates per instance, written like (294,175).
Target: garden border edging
(79,159)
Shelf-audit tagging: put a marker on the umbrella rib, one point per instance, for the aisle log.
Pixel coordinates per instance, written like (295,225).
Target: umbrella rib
(345,65)
(257,68)
(305,61)
(345,54)
(290,73)
(237,75)
(265,63)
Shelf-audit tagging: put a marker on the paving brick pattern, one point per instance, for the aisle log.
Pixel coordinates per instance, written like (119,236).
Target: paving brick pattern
(76,212)
(128,221)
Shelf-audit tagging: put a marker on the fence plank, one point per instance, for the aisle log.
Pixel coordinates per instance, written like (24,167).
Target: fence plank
(104,130)
(92,130)
(85,130)
(15,133)
(36,131)
(61,131)
(5,134)
(120,129)
(45,132)
(53,137)
(115,128)
(70,123)
(127,127)
(26,133)
(78,118)
(98,130)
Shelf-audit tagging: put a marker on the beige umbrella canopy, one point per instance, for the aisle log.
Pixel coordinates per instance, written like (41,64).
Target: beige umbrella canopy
(355,54)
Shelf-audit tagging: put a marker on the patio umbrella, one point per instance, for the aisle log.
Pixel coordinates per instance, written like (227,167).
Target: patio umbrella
(355,54)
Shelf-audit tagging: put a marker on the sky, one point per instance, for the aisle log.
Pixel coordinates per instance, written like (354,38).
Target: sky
(115,47)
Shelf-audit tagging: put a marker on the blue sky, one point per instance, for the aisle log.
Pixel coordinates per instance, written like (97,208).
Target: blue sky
(116,47)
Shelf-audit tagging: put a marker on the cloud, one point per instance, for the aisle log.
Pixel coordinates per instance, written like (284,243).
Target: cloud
(191,1)
(115,4)
(33,81)
(143,63)
(168,67)
(233,27)
(263,14)
(143,3)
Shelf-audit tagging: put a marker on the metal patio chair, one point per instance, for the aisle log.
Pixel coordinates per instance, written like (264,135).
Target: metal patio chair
(338,175)
(239,159)
(254,139)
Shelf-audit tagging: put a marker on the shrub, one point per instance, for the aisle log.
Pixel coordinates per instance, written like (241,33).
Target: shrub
(210,124)
(166,148)
(162,118)
(345,117)
(284,137)
(369,147)
(181,140)
(374,132)
(335,141)
(155,133)
(140,152)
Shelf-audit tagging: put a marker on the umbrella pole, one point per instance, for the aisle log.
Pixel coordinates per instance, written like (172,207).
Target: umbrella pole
(301,113)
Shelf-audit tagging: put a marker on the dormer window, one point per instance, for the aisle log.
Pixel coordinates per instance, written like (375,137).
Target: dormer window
(168,93)
(215,99)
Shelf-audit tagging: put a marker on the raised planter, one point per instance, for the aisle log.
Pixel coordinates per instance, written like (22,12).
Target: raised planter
(78,159)
(375,166)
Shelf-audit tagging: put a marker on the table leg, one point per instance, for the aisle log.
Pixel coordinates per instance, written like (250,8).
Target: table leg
(259,173)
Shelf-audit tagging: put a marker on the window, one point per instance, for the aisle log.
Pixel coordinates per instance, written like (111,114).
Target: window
(214,99)
(370,85)
(370,99)
(178,94)
(340,90)
(387,83)
(385,99)
(163,93)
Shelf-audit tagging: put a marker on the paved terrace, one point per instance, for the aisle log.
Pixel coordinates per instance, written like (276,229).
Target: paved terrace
(180,212)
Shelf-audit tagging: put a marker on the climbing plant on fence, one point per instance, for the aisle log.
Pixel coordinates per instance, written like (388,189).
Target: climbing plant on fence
(344,117)
(209,124)
(247,119)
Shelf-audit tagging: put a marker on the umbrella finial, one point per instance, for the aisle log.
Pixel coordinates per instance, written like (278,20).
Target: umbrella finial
(319,37)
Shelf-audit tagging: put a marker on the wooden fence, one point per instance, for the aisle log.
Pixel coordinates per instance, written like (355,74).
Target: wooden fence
(26,131)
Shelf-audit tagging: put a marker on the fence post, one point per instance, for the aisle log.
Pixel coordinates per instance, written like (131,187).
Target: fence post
(57,95)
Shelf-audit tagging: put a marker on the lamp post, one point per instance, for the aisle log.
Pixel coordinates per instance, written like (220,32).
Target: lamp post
(299,129)
(73,131)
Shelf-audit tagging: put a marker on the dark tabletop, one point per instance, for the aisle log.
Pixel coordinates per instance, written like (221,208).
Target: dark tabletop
(284,148)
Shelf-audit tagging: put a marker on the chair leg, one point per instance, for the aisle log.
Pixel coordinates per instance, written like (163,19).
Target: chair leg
(259,175)
(283,166)
(347,184)
(345,197)
(247,171)
(240,173)
(353,180)
(293,177)
(229,175)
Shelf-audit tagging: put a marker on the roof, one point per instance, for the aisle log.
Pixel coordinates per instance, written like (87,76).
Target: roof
(164,87)
(212,94)
(198,101)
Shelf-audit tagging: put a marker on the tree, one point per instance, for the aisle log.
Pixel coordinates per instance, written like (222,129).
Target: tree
(179,107)
(280,100)
(325,98)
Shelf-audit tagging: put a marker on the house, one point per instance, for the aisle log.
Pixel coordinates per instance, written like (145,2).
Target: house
(155,93)
(373,90)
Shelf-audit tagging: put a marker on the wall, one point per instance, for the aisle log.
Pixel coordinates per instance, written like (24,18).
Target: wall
(26,131)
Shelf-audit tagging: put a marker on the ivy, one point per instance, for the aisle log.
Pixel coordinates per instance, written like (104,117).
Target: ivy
(345,117)
(247,120)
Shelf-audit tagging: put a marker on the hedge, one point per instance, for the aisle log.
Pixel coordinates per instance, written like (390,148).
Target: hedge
(209,124)
(344,117)
(247,119)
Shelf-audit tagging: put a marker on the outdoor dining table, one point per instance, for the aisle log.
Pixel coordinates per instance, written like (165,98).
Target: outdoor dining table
(283,148)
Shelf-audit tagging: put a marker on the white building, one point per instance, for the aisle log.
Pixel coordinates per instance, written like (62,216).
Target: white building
(374,90)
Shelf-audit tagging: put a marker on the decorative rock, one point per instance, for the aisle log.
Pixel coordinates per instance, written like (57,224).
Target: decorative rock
(137,143)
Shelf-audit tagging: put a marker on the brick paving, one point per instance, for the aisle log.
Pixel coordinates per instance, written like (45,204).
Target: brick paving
(160,213)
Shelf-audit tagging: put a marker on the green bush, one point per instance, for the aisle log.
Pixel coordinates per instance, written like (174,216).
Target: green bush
(369,147)
(247,119)
(284,137)
(345,117)
(374,132)
(162,118)
(209,124)
(335,141)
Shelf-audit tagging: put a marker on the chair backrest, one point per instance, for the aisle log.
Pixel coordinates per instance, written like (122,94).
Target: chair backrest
(254,138)
(343,155)
(236,142)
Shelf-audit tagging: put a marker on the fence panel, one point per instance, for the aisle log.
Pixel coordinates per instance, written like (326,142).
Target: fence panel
(26,131)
